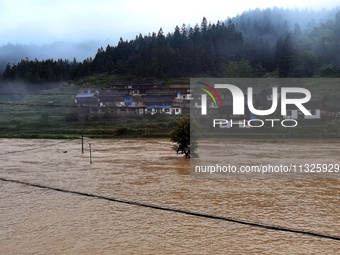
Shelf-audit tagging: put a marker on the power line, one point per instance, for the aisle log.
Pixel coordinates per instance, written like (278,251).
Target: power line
(191,213)
(36,148)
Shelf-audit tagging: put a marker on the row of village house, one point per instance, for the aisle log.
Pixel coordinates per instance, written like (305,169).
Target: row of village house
(152,97)
(136,98)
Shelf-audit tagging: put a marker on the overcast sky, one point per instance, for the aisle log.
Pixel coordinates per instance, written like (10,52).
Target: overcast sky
(46,21)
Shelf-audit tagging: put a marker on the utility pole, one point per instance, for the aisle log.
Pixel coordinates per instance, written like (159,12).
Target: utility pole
(90,154)
(82,144)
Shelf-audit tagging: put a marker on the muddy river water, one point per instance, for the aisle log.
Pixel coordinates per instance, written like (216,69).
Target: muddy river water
(35,220)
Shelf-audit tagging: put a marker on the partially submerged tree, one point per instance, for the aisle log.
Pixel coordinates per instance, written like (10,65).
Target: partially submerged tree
(185,136)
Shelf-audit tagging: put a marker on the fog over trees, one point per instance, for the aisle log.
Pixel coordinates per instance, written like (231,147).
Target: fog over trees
(260,43)
(14,53)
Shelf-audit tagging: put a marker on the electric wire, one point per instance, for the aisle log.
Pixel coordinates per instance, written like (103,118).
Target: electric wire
(174,210)
(36,148)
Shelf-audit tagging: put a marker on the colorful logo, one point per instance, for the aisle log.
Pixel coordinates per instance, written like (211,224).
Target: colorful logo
(213,90)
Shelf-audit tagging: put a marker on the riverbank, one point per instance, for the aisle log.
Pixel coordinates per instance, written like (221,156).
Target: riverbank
(153,127)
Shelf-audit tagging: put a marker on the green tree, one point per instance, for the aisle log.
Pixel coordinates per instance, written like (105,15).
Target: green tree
(185,136)
(286,58)
(8,73)
(241,69)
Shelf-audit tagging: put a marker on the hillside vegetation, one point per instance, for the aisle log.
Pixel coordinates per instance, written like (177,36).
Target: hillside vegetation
(37,96)
(268,43)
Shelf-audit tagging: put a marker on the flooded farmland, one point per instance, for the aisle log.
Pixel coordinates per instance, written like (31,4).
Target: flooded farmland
(36,220)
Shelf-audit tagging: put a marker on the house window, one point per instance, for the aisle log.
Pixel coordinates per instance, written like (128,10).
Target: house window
(289,113)
(313,112)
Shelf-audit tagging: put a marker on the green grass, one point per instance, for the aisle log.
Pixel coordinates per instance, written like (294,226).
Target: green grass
(99,80)
(183,81)
(43,115)
(104,80)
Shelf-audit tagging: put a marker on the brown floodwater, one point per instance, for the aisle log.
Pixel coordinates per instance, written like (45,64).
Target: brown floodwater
(43,221)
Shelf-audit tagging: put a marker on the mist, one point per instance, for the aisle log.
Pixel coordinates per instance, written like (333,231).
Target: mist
(14,91)
(272,23)
(13,53)
(262,32)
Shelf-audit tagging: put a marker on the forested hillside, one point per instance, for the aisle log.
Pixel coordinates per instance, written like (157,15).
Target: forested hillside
(268,43)
(12,53)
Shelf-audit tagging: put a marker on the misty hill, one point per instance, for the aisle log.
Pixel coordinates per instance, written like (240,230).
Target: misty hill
(13,53)
(268,43)
(272,23)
